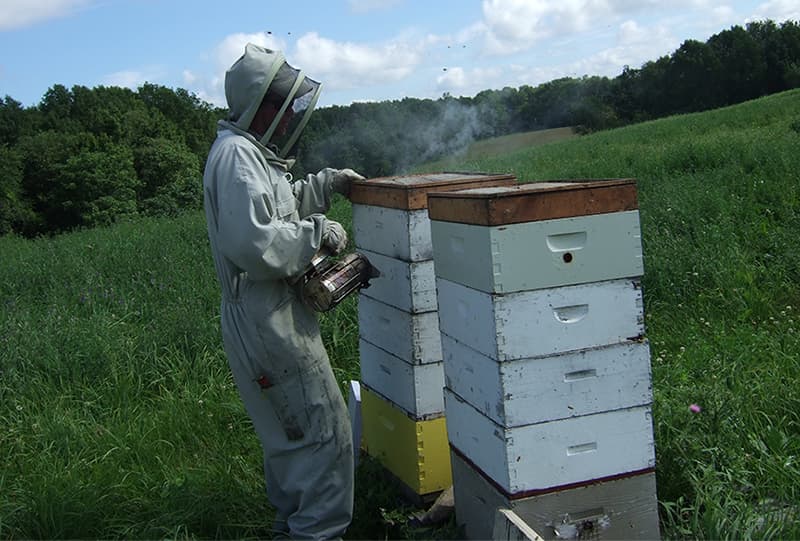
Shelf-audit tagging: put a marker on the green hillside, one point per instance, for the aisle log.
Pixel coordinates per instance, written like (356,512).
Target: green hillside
(120,420)
(503,145)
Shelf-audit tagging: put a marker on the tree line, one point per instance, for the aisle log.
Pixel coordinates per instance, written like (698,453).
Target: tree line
(87,157)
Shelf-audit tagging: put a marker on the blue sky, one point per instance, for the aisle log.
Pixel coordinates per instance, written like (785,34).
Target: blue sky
(361,50)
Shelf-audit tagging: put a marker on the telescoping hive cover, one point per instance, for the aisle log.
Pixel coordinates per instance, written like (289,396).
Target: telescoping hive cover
(410,192)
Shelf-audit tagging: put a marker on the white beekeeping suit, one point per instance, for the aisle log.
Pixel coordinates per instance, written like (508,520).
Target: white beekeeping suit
(264,230)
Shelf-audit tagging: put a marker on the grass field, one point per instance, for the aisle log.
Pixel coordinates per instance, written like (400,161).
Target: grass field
(499,146)
(118,417)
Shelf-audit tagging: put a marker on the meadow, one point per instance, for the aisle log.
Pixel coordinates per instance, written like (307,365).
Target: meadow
(119,419)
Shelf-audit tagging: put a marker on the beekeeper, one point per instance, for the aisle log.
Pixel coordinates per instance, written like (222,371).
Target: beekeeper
(264,228)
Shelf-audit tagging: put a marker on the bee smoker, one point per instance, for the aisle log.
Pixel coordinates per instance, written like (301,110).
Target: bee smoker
(326,283)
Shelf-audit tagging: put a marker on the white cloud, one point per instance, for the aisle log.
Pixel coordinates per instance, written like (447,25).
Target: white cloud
(232,47)
(134,78)
(542,35)
(511,26)
(339,65)
(348,65)
(515,25)
(365,6)
(637,44)
(189,78)
(631,33)
(452,79)
(211,89)
(722,15)
(22,13)
(634,46)
(458,81)
(534,76)
(212,92)
(778,11)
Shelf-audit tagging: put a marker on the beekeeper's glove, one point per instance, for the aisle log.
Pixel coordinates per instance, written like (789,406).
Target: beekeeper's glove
(342,181)
(334,238)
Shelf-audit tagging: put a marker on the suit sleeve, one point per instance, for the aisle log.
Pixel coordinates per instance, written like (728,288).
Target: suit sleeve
(314,193)
(253,234)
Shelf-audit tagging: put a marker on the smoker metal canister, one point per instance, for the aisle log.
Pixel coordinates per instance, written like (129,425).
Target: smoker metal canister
(329,284)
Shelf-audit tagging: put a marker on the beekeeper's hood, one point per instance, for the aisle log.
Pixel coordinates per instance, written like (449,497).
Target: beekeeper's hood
(260,71)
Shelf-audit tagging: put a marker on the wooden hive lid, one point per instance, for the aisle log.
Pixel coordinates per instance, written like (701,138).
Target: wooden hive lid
(410,192)
(534,201)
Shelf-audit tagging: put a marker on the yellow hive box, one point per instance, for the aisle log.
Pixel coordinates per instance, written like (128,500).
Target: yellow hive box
(415,452)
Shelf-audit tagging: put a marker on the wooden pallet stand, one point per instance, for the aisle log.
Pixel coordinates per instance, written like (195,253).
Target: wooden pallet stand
(509,526)
(620,508)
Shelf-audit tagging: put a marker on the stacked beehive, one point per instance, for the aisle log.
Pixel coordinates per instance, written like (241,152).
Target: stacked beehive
(402,374)
(548,387)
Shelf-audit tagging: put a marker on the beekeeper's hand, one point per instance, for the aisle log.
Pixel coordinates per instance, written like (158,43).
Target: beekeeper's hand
(334,238)
(342,181)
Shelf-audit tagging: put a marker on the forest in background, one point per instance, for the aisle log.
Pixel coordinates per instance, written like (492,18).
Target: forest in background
(88,157)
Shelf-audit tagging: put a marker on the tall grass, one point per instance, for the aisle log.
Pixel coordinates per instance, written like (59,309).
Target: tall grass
(119,419)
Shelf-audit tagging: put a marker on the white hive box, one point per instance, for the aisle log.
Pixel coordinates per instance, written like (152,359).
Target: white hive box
(535,390)
(413,338)
(390,216)
(554,454)
(623,508)
(541,322)
(535,255)
(401,234)
(409,286)
(416,388)
(537,235)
